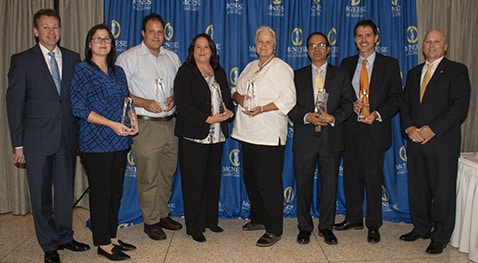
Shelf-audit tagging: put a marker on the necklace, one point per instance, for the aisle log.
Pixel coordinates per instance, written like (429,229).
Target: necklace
(206,70)
(261,66)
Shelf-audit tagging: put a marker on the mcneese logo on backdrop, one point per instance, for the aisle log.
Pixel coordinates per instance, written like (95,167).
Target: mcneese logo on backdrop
(232,169)
(233,75)
(234,7)
(297,39)
(191,5)
(354,9)
(289,205)
(121,45)
(412,38)
(168,36)
(210,31)
(316,8)
(396,8)
(332,38)
(141,5)
(401,168)
(384,50)
(276,8)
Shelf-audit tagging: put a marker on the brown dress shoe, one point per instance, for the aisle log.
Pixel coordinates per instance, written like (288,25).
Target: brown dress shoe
(154,232)
(170,224)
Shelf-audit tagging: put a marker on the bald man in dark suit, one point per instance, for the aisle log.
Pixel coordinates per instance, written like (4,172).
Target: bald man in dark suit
(435,102)
(44,133)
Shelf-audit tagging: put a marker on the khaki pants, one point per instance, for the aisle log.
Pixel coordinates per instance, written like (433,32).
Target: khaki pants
(155,151)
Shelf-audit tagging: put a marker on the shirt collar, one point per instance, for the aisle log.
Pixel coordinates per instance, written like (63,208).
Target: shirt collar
(434,63)
(45,50)
(370,59)
(323,67)
(145,50)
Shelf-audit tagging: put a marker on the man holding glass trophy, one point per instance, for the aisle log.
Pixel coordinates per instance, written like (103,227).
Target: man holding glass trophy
(150,70)
(368,132)
(324,102)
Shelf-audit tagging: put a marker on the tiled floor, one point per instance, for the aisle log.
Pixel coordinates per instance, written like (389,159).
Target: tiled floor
(18,244)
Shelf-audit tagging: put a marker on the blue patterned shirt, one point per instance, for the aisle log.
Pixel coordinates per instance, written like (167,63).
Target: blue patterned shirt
(93,90)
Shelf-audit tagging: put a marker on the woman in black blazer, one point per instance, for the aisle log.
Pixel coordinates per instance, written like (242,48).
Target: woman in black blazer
(204,106)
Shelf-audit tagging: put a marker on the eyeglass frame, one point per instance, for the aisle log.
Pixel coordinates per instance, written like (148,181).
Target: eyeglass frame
(317,45)
(99,40)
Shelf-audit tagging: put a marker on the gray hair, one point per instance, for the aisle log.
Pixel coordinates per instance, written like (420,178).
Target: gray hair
(266,29)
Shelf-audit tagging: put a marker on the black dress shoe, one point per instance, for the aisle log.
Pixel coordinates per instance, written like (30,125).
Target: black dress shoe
(373,236)
(170,224)
(435,248)
(199,238)
(329,236)
(74,245)
(52,257)
(124,246)
(344,225)
(215,228)
(267,240)
(115,255)
(412,236)
(303,237)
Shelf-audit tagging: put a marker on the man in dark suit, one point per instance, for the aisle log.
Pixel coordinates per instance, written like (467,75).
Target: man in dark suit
(368,132)
(435,102)
(324,144)
(44,133)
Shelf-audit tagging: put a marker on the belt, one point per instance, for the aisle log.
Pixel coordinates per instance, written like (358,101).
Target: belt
(147,118)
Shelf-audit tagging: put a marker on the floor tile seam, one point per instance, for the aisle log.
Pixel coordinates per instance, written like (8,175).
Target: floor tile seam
(168,247)
(16,247)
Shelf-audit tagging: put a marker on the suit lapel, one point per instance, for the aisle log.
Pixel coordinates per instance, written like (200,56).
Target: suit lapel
(438,71)
(40,60)
(377,70)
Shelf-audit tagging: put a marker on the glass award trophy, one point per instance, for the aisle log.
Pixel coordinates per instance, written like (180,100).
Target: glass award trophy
(217,105)
(250,97)
(161,93)
(365,109)
(321,103)
(128,118)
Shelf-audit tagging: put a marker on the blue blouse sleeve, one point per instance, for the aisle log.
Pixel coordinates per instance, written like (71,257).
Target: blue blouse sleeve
(80,85)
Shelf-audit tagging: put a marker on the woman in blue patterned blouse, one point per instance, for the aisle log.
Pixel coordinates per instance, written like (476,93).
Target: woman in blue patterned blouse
(98,91)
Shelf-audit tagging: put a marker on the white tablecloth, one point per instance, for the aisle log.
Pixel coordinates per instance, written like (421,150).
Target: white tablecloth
(465,235)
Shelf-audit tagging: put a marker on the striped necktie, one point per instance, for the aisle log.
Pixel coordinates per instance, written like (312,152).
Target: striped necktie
(55,73)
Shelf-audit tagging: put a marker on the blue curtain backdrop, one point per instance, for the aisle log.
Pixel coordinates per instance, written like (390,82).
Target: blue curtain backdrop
(232,24)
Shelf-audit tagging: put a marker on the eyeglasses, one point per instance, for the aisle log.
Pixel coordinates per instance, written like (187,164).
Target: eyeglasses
(317,45)
(98,40)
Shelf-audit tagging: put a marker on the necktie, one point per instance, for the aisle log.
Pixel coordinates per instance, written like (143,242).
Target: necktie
(55,73)
(425,81)
(319,83)
(364,88)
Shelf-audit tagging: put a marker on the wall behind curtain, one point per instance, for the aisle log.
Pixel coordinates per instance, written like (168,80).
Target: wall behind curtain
(458,20)
(16,36)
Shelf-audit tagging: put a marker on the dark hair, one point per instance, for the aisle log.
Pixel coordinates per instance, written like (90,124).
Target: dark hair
(111,57)
(45,12)
(214,60)
(152,16)
(320,34)
(367,22)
